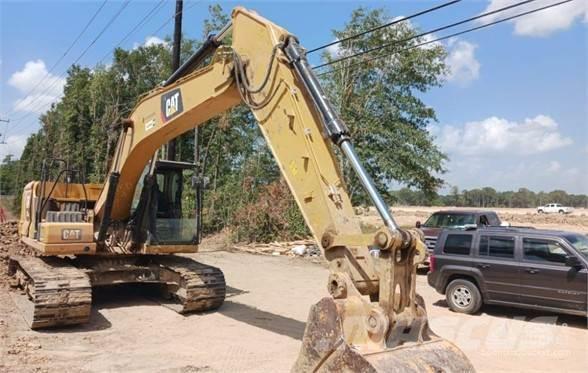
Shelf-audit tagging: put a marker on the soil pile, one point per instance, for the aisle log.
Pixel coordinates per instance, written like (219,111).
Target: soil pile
(10,245)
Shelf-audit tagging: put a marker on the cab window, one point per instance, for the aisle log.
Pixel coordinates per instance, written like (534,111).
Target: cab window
(546,251)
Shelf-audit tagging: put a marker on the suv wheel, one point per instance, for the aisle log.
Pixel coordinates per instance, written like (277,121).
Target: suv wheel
(540,211)
(561,211)
(463,296)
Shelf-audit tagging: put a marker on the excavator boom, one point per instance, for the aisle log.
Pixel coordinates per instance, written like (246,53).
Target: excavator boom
(374,320)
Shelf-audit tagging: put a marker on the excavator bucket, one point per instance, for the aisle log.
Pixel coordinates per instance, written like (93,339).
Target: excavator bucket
(325,348)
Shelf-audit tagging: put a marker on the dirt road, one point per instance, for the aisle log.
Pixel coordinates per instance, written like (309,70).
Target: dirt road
(259,328)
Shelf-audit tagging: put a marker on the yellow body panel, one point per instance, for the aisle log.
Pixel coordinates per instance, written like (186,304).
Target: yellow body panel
(53,233)
(45,249)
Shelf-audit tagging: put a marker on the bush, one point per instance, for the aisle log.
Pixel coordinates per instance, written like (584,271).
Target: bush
(273,216)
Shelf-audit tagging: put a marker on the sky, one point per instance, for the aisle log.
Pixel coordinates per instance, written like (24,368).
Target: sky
(512,112)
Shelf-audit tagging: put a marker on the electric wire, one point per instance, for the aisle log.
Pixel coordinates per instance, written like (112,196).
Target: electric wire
(384,46)
(80,34)
(141,23)
(61,76)
(396,21)
(364,62)
(166,22)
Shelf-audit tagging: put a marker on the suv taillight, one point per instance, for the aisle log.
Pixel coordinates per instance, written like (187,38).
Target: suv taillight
(432,263)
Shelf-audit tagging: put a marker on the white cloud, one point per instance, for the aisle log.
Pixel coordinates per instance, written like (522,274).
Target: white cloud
(497,136)
(154,40)
(553,166)
(542,23)
(463,66)
(335,49)
(44,88)
(461,62)
(150,41)
(14,145)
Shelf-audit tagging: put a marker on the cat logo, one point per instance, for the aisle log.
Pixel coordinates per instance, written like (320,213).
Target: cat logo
(171,104)
(71,234)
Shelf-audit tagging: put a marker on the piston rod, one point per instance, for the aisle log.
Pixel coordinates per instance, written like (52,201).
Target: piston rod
(335,128)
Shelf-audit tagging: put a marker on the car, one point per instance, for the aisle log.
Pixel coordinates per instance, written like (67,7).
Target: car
(461,219)
(520,267)
(554,208)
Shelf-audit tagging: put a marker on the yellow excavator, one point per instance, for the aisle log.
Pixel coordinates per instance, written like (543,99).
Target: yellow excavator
(127,230)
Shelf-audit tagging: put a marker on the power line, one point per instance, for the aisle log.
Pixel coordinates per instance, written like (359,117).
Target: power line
(424,33)
(364,62)
(167,21)
(61,76)
(90,21)
(382,26)
(141,23)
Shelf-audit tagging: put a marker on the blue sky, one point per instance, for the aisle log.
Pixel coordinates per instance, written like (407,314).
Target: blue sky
(513,111)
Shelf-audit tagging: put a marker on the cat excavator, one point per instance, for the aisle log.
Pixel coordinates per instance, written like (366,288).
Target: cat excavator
(128,229)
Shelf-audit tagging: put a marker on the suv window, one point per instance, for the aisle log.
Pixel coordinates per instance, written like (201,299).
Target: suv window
(458,244)
(500,247)
(547,251)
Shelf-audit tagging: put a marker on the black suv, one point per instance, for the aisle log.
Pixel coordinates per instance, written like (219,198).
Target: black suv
(522,267)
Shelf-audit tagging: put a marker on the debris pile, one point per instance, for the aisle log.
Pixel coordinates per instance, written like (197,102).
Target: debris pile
(303,248)
(10,245)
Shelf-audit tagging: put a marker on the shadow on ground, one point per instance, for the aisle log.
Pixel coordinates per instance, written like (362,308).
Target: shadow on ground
(263,319)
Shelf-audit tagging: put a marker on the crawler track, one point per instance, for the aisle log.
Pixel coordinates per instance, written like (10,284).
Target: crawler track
(200,287)
(54,293)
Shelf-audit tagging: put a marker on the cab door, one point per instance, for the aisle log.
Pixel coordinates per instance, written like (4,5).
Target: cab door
(545,278)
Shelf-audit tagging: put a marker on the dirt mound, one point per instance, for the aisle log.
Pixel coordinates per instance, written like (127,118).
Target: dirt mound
(10,245)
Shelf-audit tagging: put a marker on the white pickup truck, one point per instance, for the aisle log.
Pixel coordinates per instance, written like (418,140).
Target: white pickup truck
(554,208)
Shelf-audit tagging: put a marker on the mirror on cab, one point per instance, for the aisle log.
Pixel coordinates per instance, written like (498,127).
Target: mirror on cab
(418,224)
(573,261)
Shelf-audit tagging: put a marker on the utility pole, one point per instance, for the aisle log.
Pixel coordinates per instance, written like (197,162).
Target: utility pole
(171,146)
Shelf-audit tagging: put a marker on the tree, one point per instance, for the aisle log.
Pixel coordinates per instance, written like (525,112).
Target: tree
(380,103)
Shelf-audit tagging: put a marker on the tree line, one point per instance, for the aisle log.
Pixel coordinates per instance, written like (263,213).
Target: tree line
(489,197)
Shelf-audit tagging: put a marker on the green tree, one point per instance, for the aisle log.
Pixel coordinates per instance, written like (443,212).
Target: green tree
(380,103)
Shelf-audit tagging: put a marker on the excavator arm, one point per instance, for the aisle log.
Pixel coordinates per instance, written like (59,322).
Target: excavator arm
(374,308)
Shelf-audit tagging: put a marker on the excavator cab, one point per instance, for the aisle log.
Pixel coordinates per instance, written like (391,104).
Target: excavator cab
(166,204)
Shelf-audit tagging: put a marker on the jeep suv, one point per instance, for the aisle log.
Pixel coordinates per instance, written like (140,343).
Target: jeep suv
(521,267)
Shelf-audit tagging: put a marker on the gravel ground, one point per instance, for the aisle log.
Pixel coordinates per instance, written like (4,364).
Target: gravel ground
(259,328)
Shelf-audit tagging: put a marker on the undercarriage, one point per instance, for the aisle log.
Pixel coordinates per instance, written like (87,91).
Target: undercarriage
(58,291)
